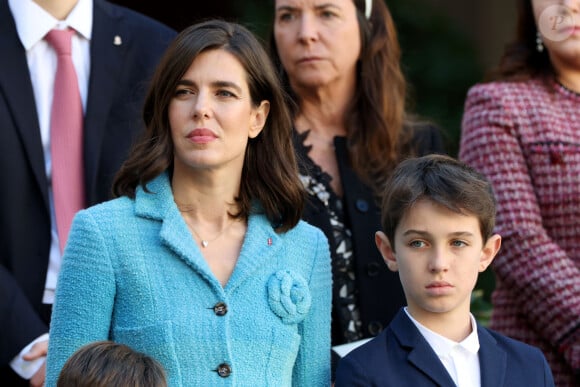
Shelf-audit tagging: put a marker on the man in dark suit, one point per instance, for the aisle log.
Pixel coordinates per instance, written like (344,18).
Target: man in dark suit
(438,217)
(120,53)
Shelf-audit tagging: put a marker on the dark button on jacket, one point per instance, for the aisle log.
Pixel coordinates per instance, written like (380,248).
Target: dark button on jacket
(220,309)
(362,205)
(224,370)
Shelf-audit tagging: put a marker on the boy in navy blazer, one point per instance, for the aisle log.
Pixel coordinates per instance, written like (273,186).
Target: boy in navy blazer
(438,217)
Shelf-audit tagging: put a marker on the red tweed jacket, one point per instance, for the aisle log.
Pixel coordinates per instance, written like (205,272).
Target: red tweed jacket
(525,137)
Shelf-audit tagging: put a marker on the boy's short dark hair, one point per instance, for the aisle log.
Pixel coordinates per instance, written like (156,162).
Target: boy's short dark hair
(109,364)
(443,180)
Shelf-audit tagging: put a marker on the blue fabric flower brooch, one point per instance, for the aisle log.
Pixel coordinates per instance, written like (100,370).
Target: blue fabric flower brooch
(289,296)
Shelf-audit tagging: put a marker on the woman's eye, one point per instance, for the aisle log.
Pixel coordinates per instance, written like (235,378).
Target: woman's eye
(327,14)
(183,92)
(286,16)
(225,93)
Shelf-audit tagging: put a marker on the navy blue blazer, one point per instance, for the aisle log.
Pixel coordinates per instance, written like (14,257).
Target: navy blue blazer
(118,81)
(400,357)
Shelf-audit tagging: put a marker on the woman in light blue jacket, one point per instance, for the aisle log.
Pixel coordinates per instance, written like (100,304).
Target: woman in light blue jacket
(202,261)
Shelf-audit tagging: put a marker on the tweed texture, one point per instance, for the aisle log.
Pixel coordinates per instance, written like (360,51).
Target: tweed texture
(525,137)
(132,273)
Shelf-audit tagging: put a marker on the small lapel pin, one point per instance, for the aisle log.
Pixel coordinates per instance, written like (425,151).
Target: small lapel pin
(269,241)
(117,40)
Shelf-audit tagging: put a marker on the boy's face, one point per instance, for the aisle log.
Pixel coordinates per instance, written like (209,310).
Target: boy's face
(438,254)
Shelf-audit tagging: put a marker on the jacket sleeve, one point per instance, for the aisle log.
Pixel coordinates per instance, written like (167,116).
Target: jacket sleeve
(19,322)
(543,279)
(312,366)
(84,296)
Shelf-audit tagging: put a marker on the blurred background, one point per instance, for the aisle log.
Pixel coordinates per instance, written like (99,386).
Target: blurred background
(447,45)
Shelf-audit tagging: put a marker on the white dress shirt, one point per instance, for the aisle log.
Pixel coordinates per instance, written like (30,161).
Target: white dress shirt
(32,24)
(460,359)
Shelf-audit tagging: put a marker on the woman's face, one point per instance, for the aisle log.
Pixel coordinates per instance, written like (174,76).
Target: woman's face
(212,115)
(558,21)
(318,41)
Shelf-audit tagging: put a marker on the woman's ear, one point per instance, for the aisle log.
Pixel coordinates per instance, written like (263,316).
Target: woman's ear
(386,250)
(259,119)
(490,249)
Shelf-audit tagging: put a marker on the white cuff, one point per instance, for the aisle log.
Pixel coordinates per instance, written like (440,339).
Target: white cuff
(26,369)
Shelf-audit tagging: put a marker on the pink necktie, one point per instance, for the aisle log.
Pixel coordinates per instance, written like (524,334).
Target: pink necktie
(66,137)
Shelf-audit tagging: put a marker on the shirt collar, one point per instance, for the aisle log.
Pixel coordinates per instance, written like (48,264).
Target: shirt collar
(442,345)
(33,22)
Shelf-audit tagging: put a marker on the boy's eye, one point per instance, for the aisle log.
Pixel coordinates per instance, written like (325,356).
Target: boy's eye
(458,243)
(417,244)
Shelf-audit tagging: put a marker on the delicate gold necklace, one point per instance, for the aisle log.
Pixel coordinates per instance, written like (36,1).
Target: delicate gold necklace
(203,241)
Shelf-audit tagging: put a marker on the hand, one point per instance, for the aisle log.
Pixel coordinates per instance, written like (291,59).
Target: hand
(37,351)
(38,378)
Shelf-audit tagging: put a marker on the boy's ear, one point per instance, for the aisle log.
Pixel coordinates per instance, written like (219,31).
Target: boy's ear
(386,251)
(490,249)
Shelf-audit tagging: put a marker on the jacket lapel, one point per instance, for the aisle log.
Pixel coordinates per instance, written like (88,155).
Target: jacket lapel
(15,82)
(420,353)
(159,205)
(261,246)
(106,67)
(492,360)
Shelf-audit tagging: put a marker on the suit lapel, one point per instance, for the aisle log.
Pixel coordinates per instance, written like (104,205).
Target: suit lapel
(492,360)
(420,354)
(106,67)
(15,82)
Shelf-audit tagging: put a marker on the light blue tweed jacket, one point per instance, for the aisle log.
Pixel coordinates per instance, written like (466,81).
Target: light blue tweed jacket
(132,273)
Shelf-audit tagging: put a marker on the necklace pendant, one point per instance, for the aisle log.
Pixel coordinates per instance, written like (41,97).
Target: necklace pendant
(204,243)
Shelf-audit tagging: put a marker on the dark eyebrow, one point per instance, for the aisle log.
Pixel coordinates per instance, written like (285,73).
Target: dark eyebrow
(427,234)
(227,85)
(184,82)
(285,8)
(417,232)
(215,84)
(326,5)
(290,8)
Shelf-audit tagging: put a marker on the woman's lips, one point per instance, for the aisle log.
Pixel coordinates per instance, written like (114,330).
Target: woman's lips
(201,136)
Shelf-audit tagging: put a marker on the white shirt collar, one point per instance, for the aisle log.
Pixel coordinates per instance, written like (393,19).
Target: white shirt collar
(33,22)
(442,345)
